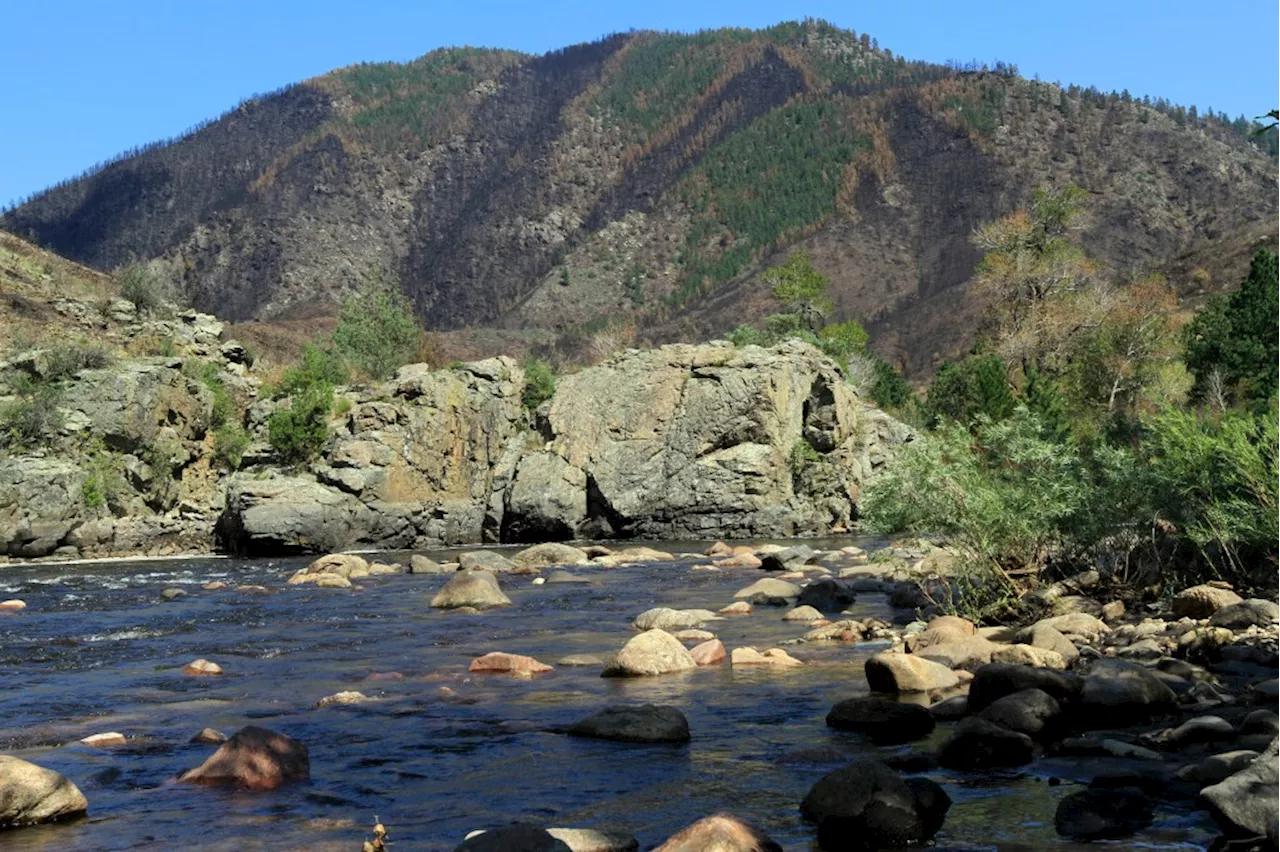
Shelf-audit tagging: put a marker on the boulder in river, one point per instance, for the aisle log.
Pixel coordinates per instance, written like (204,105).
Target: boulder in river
(1241,616)
(202,667)
(647,723)
(486,560)
(893,673)
(768,592)
(1028,655)
(474,588)
(550,553)
(513,838)
(881,720)
(346,566)
(708,653)
(719,833)
(803,613)
(1033,712)
(868,805)
(788,558)
(254,758)
(1246,803)
(31,794)
(827,595)
(1116,692)
(419,564)
(1000,679)
(653,652)
(665,618)
(1103,814)
(977,744)
(497,662)
(772,657)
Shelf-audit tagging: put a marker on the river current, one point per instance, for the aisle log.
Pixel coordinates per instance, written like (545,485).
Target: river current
(440,752)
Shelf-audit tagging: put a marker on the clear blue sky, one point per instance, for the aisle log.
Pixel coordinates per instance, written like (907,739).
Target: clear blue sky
(85,79)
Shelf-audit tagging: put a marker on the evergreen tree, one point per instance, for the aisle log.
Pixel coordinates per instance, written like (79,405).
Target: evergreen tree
(1236,338)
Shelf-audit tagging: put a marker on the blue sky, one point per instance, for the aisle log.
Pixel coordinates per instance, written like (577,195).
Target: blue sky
(87,79)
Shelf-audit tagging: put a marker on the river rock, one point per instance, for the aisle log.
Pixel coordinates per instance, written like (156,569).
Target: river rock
(647,723)
(475,588)
(419,564)
(514,664)
(978,744)
(999,679)
(719,833)
(1203,600)
(739,560)
(590,840)
(882,721)
(868,805)
(772,657)
(664,618)
(1246,614)
(844,630)
(653,652)
(550,553)
(1217,767)
(1247,802)
(254,758)
(513,838)
(1044,636)
(736,608)
(788,558)
(485,560)
(1116,692)
(953,622)
(12,605)
(827,595)
(580,661)
(708,653)
(769,592)
(893,673)
(202,667)
(209,736)
(1028,655)
(1033,712)
(1260,722)
(802,613)
(106,740)
(966,653)
(1103,814)
(1083,625)
(342,699)
(31,794)
(694,635)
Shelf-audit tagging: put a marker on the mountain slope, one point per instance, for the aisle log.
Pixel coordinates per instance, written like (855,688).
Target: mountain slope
(646,178)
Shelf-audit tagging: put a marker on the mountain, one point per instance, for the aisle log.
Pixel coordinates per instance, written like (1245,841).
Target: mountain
(647,178)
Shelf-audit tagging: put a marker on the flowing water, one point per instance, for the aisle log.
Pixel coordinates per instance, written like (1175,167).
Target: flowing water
(440,752)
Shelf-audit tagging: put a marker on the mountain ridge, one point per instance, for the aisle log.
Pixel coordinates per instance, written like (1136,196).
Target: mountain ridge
(645,179)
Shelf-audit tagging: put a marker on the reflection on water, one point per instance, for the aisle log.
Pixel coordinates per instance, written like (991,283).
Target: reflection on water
(439,752)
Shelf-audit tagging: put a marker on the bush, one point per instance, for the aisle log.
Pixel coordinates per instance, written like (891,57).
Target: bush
(377,331)
(539,383)
(105,482)
(33,419)
(803,454)
(967,390)
(229,445)
(64,361)
(143,286)
(299,433)
(890,389)
(222,407)
(317,367)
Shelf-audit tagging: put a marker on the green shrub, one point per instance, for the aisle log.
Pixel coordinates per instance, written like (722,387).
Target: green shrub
(316,367)
(105,482)
(143,286)
(377,331)
(64,361)
(222,407)
(967,390)
(299,433)
(539,383)
(33,419)
(890,389)
(803,454)
(229,445)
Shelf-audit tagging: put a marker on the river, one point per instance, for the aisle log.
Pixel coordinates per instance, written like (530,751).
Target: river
(440,752)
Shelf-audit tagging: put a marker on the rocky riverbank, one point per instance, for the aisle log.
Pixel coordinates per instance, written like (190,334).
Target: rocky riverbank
(678,442)
(1129,717)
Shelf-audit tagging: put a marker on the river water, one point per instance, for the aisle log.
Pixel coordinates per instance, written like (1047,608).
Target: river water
(440,752)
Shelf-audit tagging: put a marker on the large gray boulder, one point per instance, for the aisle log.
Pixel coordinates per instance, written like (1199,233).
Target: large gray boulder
(41,502)
(1246,802)
(868,805)
(1033,712)
(31,794)
(546,501)
(1117,692)
(476,589)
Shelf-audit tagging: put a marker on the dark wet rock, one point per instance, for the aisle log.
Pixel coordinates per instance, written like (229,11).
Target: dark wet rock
(1201,729)
(31,794)
(868,805)
(788,559)
(1247,803)
(513,838)
(1250,613)
(979,744)
(475,588)
(881,720)
(1217,767)
(256,759)
(950,709)
(1000,679)
(1103,814)
(815,754)
(827,595)
(913,762)
(1116,692)
(719,833)
(1033,712)
(1260,722)
(646,723)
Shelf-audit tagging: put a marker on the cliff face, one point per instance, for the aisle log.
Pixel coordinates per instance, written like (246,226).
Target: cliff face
(646,179)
